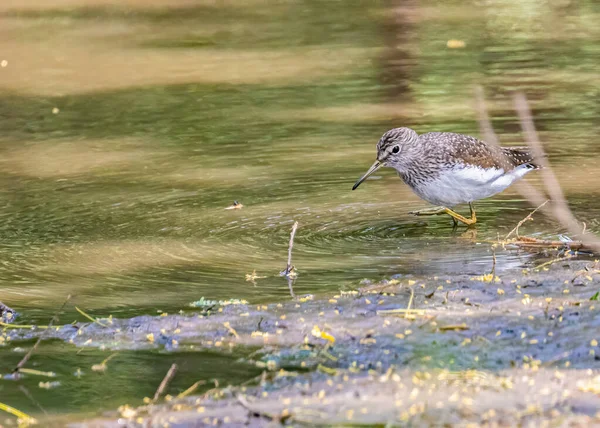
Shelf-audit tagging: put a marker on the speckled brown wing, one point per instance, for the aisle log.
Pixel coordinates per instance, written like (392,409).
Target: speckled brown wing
(464,149)
(520,156)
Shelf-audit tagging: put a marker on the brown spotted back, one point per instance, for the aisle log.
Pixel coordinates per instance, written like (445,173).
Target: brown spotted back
(450,149)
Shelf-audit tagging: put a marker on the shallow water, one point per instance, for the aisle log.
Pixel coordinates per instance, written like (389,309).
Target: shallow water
(128,128)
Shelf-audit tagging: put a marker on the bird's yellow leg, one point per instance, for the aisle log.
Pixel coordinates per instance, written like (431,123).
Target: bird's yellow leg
(457,217)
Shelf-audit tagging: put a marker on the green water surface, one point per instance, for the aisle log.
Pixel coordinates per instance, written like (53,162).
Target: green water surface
(114,178)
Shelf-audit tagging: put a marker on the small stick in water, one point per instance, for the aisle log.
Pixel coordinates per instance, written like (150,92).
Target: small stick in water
(26,392)
(95,320)
(34,347)
(493,273)
(191,389)
(23,418)
(290,271)
(516,229)
(165,382)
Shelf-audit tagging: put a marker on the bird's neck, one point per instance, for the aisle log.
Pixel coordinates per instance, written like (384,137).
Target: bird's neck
(411,170)
(407,164)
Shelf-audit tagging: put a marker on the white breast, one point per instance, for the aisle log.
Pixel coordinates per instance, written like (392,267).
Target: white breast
(464,184)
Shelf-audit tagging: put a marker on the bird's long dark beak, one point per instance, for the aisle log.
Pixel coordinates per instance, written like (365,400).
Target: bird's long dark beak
(371,170)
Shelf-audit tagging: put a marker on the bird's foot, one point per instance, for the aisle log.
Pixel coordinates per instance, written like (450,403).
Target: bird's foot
(459,218)
(456,217)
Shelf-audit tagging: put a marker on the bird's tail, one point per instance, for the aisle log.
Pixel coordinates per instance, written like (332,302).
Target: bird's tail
(521,156)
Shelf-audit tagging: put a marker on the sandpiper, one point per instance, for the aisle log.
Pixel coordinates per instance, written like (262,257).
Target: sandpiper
(448,169)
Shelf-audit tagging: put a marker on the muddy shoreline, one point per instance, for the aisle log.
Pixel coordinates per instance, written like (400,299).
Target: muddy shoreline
(521,347)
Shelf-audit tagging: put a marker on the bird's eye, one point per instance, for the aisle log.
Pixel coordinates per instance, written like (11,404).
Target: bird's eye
(396,149)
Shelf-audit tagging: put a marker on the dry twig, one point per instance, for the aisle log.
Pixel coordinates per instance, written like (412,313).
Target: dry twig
(290,271)
(165,382)
(485,125)
(525,189)
(191,389)
(92,319)
(493,272)
(23,418)
(559,209)
(529,217)
(529,242)
(34,347)
(27,394)
(408,313)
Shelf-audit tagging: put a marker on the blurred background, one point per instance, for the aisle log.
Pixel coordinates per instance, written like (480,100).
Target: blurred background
(128,127)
